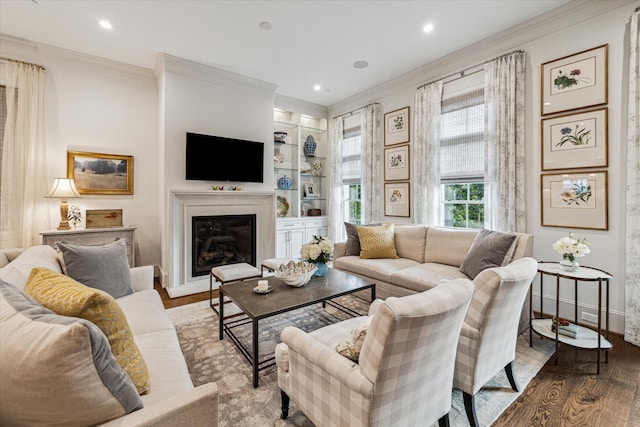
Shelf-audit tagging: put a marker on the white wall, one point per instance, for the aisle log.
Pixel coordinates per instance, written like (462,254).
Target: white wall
(100,106)
(561,33)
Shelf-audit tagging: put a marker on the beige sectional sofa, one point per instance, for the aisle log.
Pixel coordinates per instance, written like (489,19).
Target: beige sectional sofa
(427,255)
(172,400)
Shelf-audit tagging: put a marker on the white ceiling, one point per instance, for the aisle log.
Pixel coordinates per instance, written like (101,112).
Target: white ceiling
(311,42)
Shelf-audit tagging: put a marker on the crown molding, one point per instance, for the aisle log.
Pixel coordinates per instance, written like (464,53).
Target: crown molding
(172,64)
(512,38)
(300,106)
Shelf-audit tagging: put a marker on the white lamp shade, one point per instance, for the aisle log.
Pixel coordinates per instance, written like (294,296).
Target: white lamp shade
(63,188)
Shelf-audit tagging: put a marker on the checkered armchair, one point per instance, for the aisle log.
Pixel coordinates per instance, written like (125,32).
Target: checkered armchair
(405,370)
(490,330)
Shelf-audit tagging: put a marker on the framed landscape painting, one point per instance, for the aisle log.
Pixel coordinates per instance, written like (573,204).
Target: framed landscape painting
(396,199)
(96,173)
(396,163)
(396,127)
(575,81)
(575,200)
(575,140)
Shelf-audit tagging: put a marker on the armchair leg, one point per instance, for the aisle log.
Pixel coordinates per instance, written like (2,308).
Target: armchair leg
(512,379)
(444,421)
(285,405)
(470,409)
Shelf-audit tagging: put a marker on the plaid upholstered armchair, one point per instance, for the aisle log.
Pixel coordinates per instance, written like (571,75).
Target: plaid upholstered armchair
(404,373)
(490,330)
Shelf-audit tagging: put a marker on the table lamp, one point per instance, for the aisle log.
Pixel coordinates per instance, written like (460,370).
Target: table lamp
(63,188)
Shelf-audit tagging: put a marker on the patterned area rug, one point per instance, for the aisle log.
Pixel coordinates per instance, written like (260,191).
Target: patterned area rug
(210,359)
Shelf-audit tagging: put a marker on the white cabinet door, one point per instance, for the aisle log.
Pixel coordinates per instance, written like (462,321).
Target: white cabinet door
(289,242)
(297,240)
(282,244)
(316,227)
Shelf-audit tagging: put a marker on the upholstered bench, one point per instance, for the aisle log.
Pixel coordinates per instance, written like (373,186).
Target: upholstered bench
(230,273)
(271,264)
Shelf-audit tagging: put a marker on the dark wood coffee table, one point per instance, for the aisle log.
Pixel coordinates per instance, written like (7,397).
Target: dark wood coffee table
(283,298)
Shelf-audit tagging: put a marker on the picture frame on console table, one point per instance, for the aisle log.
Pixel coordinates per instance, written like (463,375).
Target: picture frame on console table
(575,200)
(396,163)
(397,199)
(575,81)
(396,127)
(98,173)
(575,140)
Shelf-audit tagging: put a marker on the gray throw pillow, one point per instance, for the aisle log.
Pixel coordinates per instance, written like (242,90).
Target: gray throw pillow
(103,267)
(352,246)
(487,250)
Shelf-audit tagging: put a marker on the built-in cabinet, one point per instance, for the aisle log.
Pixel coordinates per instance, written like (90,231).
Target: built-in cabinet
(292,233)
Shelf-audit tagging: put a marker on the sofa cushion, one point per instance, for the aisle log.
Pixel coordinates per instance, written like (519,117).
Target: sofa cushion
(410,241)
(352,246)
(377,242)
(425,276)
(17,272)
(377,269)
(103,267)
(448,245)
(488,249)
(66,297)
(56,370)
(145,312)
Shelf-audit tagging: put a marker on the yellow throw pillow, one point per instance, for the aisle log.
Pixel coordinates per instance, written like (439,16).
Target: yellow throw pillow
(377,242)
(65,296)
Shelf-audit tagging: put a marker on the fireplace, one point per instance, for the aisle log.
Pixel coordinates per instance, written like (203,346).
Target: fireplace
(222,240)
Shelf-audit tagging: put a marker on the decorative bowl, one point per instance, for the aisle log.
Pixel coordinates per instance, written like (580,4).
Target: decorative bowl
(296,274)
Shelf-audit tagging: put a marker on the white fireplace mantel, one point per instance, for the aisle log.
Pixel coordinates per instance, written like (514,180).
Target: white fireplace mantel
(185,204)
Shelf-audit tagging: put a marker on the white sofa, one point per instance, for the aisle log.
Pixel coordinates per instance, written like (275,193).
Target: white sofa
(173,400)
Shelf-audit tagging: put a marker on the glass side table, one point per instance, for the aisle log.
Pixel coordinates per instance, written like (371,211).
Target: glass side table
(587,338)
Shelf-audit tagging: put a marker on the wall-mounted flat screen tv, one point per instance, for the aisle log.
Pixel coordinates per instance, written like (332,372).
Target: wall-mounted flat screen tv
(216,158)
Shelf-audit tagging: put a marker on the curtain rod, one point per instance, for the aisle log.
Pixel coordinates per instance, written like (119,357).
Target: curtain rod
(462,73)
(2,58)
(352,112)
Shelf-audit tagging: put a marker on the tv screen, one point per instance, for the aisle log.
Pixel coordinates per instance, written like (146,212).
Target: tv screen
(215,158)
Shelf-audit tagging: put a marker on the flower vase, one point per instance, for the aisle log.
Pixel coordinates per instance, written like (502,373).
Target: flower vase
(569,264)
(321,269)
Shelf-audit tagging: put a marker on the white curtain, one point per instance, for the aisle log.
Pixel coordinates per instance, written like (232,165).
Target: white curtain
(425,155)
(632,267)
(371,137)
(335,197)
(23,209)
(504,143)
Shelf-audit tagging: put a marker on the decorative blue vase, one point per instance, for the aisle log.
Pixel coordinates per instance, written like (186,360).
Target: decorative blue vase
(321,269)
(309,147)
(284,183)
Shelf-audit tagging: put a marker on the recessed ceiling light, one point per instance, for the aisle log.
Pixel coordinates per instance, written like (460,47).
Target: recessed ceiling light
(360,64)
(106,24)
(265,25)
(317,87)
(428,28)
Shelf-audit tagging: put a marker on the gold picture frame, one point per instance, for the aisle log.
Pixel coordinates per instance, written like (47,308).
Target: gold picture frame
(575,81)
(98,173)
(397,165)
(575,200)
(397,199)
(396,126)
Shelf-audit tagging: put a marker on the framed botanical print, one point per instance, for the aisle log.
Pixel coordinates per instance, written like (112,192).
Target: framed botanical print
(575,140)
(96,173)
(397,199)
(574,81)
(396,163)
(396,127)
(575,200)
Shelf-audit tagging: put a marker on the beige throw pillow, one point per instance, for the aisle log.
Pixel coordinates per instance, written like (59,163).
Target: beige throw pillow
(377,242)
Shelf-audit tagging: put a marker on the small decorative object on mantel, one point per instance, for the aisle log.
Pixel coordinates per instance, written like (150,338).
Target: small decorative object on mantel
(228,188)
(318,251)
(102,218)
(571,248)
(309,146)
(75,215)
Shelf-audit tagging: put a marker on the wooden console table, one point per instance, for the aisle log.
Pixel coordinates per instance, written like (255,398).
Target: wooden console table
(94,236)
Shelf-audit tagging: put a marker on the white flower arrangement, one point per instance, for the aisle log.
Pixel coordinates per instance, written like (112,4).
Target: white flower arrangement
(571,248)
(74,216)
(319,249)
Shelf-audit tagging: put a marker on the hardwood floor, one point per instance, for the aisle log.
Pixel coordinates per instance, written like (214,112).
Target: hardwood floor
(569,394)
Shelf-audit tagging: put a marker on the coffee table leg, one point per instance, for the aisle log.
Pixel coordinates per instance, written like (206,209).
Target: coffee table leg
(221,313)
(255,353)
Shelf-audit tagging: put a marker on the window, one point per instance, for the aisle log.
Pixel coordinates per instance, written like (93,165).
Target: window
(462,160)
(352,174)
